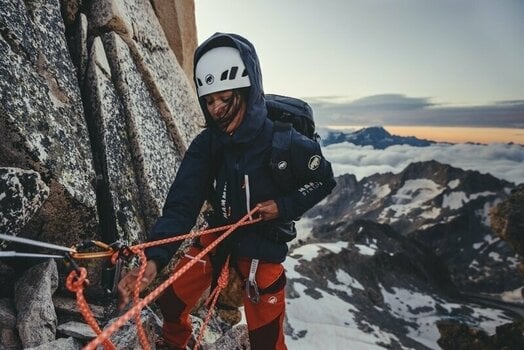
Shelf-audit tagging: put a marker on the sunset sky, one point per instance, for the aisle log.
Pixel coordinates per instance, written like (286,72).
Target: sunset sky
(386,62)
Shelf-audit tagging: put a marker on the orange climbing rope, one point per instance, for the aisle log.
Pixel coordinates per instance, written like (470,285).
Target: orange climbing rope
(75,283)
(77,279)
(212,300)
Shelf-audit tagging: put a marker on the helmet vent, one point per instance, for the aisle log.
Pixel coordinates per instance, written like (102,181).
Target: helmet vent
(233,72)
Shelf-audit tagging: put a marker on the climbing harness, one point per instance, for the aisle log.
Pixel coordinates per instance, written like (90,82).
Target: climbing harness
(77,278)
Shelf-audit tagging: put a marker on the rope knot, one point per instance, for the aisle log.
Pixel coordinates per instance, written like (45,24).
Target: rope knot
(74,282)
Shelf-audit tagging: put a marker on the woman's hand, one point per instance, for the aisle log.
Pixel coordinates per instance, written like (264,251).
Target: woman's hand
(268,210)
(128,282)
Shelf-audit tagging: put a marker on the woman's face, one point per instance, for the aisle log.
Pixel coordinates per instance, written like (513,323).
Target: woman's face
(227,109)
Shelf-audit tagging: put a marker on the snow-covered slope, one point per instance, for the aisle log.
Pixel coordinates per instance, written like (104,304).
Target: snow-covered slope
(372,289)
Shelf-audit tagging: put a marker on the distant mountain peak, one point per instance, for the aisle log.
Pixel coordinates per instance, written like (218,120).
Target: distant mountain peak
(374,130)
(375,136)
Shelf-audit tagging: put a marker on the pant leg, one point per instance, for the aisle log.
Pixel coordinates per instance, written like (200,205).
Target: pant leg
(265,320)
(179,299)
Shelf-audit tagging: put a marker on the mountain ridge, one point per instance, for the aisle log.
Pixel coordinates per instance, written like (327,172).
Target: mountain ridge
(375,136)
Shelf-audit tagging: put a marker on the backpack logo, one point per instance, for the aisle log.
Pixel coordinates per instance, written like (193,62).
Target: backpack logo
(314,162)
(282,165)
(210,79)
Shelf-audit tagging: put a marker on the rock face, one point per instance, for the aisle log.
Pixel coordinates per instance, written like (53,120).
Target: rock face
(99,106)
(42,125)
(96,113)
(145,114)
(444,208)
(178,21)
(507,220)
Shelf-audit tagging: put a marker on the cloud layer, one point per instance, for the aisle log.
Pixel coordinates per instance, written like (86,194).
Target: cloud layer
(396,109)
(504,161)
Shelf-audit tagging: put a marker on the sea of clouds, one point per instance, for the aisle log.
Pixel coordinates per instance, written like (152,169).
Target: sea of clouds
(504,161)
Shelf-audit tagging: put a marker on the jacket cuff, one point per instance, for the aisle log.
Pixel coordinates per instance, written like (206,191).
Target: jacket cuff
(159,256)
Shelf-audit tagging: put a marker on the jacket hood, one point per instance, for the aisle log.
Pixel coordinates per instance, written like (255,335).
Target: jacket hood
(256,112)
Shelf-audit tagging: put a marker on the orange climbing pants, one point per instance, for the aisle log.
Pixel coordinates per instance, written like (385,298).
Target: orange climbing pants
(264,319)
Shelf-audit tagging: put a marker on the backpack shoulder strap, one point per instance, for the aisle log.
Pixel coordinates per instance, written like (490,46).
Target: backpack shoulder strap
(281,143)
(280,161)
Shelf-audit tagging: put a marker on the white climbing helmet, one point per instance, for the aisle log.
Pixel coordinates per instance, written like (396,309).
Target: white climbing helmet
(220,69)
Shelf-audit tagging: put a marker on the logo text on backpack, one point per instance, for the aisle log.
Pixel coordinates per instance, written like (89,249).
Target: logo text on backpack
(314,162)
(282,165)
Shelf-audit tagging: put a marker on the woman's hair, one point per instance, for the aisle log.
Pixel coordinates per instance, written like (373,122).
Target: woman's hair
(239,97)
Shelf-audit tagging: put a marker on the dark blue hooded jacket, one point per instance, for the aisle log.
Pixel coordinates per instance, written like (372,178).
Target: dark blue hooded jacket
(215,164)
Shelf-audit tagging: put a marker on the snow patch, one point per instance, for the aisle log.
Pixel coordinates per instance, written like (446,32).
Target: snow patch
(365,250)
(456,200)
(453,183)
(328,323)
(412,196)
(310,251)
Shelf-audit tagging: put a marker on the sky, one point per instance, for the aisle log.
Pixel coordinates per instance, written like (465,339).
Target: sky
(386,62)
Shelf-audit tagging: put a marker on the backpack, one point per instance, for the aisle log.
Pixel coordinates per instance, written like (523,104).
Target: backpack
(287,113)
(290,110)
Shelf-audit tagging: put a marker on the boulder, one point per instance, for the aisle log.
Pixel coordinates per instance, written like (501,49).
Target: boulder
(60,344)
(77,330)
(7,314)
(36,316)
(236,338)
(68,309)
(126,337)
(8,337)
(22,193)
